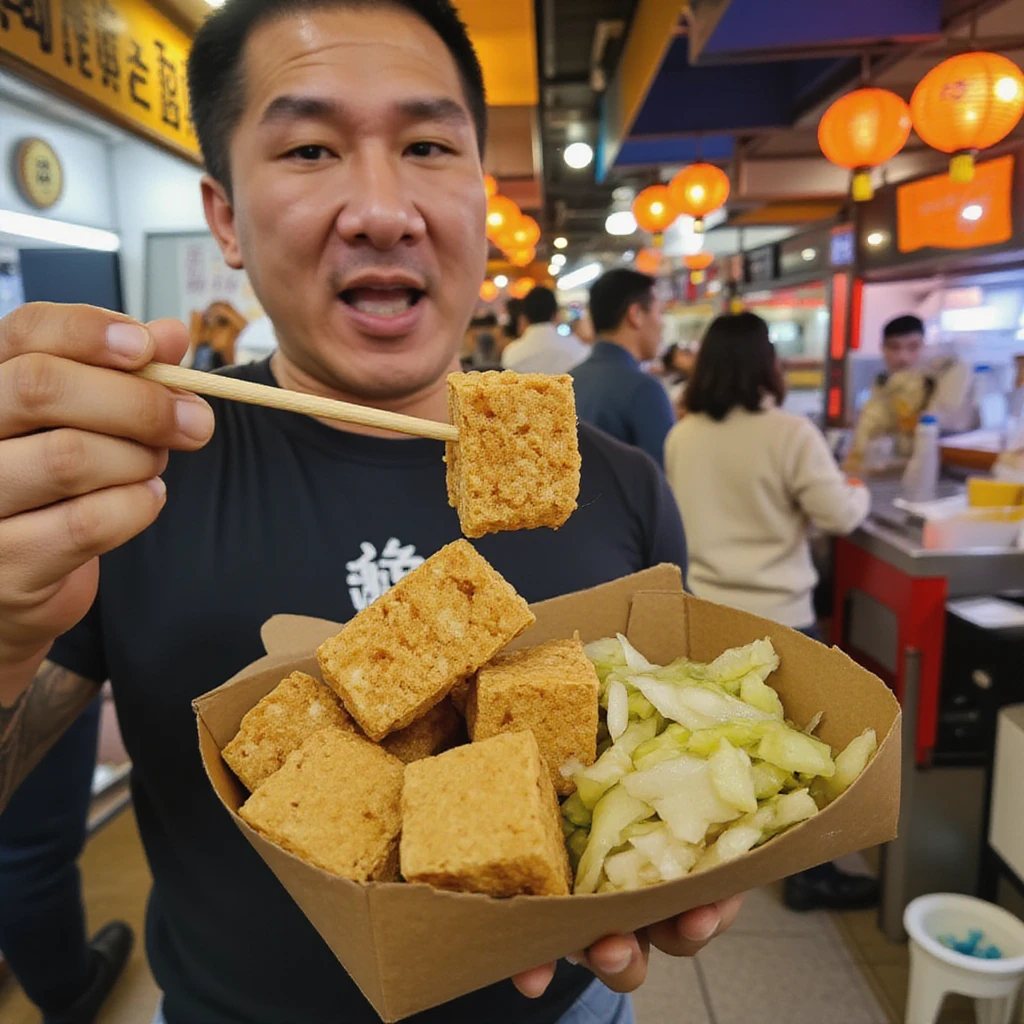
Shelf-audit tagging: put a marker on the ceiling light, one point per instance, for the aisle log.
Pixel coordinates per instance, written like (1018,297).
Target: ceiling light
(876,238)
(560,242)
(580,276)
(554,269)
(558,260)
(578,155)
(808,254)
(43,229)
(501,281)
(972,211)
(214,3)
(622,222)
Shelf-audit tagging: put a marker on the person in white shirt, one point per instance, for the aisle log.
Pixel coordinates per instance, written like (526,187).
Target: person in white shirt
(541,349)
(751,481)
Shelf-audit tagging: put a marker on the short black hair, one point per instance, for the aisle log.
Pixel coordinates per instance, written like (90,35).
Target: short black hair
(736,366)
(513,311)
(901,325)
(613,293)
(540,305)
(217,90)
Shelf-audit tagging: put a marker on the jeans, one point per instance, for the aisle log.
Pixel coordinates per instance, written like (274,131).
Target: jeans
(597,1005)
(42,832)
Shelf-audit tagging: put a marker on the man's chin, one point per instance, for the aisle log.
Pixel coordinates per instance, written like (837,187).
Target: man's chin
(386,380)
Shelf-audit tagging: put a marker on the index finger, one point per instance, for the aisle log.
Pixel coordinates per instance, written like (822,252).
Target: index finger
(85,334)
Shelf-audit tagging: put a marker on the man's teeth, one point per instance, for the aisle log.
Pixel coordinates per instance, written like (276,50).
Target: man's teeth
(390,305)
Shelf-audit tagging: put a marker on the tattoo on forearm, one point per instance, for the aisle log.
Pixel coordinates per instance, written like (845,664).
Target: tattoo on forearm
(34,722)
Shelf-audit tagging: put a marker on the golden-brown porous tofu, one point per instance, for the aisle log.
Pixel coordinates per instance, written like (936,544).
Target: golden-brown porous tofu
(516,465)
(400,656)
(295,709)
(552,690)
(440,728)
(484,818)
(336,803)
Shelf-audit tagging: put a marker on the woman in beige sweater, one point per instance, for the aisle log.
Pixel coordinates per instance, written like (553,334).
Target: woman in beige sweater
(752,480)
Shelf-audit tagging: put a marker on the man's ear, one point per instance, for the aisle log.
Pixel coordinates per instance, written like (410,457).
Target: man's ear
(634,315)
(220,216)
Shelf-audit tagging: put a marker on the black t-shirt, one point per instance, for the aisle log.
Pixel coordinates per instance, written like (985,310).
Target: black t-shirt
(280,513)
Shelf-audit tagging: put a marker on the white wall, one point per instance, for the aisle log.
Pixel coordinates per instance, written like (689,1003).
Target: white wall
(87,197)
(154,191)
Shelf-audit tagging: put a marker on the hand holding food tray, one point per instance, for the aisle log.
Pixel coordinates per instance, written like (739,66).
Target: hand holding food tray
(410,945)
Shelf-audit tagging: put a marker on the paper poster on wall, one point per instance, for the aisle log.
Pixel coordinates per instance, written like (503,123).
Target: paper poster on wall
(187,279)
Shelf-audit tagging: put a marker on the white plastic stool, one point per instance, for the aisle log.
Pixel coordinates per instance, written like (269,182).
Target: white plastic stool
(936,970)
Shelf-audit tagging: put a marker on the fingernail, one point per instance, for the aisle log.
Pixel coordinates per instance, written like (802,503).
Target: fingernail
(616,964)
(702,932)
(158,487)
(128,340)
(194,418)
(573,959)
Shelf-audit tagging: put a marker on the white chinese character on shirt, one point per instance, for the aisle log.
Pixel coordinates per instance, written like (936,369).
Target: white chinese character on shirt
(369,576)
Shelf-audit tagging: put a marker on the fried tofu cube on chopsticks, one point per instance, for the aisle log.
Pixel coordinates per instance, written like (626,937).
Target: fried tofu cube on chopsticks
(295,709)
(336,803)
(516,465)
(484,818)
(552,690)
(400,656)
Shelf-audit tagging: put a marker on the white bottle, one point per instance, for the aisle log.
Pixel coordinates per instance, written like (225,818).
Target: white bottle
(921,478)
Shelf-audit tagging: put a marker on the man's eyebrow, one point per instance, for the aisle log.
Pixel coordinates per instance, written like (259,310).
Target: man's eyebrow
(299,108)
(440,108)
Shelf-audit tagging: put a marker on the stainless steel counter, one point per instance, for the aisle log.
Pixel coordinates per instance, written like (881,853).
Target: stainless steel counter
(972,571)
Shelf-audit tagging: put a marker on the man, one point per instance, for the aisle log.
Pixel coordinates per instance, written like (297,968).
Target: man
(342,141)
(541,349)
(612,392)
(909,387)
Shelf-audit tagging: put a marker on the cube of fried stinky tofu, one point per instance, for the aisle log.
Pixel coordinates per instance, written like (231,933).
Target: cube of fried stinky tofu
(296,708)
(440,728)
(484,818)
(401,655)
(552,690)
(336,803)
(516,465)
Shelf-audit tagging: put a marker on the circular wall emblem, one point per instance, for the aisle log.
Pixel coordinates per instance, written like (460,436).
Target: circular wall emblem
(38,172)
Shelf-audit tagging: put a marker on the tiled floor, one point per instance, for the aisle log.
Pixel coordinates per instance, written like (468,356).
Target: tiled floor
(774,967)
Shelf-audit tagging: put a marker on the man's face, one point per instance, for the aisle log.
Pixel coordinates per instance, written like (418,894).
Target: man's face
(358,203)
(650,329)
(902,351)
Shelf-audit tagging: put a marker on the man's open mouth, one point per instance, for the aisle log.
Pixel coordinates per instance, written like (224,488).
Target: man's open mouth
(384,302)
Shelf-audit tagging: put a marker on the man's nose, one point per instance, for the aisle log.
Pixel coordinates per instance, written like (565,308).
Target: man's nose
(379,210)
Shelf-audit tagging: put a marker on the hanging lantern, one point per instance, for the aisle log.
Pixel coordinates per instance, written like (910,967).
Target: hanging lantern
(521,287)
(525,234)
(697,263)
(654,211)
(490,185)
(862,130)
(698,190)
(648,261)
(521,257)
(488,291)
(967,103)
(502,217)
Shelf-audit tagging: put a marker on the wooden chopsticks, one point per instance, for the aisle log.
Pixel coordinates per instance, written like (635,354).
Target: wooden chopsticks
(200,383)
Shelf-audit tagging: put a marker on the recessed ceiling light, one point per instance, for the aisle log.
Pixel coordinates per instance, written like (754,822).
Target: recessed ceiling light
(501,280)
(578,155)
(558,260)
(808,254)
(876,238)
(622,222)
(560,242)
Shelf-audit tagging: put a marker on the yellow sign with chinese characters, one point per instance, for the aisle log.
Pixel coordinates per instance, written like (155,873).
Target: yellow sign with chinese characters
(122,59)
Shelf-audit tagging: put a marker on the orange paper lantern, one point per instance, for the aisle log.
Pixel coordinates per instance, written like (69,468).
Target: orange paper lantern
(521,257)
(862,130)
(525,234)
(698,190)
(697,263)
(502,217)
(648,261)
(967,103)
(654,211)
(490,185)
(488,291)
(521,287)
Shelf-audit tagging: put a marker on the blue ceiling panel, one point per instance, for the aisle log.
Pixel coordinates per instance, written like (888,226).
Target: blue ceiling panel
(651,152)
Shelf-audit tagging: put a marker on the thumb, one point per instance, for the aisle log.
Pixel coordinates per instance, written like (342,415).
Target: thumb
(171,338)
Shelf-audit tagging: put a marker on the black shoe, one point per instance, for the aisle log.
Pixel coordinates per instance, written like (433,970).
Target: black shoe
(827,888)
(110,946)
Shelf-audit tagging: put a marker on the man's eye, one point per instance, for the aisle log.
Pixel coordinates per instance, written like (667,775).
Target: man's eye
(309,153)
(426,149)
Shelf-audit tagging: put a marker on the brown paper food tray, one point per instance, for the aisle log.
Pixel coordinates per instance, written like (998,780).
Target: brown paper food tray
(411,947)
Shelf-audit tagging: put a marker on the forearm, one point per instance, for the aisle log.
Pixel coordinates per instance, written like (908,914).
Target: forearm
(36,719)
